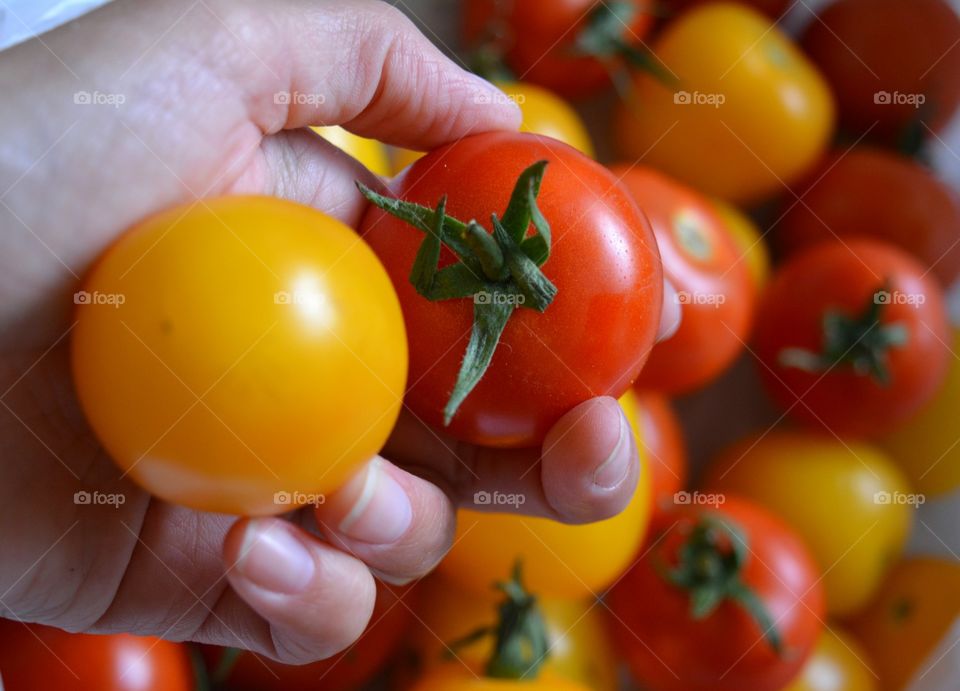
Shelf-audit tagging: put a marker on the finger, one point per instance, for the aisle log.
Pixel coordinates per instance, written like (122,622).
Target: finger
(398,524)
(316,598)
(586,470)
(364,65)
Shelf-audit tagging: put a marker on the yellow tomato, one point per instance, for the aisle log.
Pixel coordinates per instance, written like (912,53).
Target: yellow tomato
(847,500)
(543,113)
(838,663)
(917,604)
(746,114)
(238,348)
(559,560)
(926,446)
(580,649)
(749,241)
(369,152)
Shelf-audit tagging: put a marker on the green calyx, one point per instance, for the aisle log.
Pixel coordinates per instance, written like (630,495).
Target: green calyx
(709,567)
(499,271)
(860,342)
(520,635)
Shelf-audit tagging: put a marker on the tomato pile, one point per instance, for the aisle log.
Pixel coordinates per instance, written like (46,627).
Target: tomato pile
(774,183)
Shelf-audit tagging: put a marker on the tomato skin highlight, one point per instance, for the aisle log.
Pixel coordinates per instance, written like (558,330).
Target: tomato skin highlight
(725,650)
(41,657)
(877,194)
(845,278)
(277,316)
(591,341)
(702,261)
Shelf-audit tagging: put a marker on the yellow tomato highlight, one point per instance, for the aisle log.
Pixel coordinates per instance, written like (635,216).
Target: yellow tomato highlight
(239,354)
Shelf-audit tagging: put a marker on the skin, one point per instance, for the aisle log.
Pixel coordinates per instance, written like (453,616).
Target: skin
(201,119)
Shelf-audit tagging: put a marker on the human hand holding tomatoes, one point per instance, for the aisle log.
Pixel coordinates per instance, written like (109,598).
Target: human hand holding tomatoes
(117,559)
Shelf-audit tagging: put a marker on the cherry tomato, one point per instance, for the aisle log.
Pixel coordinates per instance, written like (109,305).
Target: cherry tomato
(838,663)
(749,240)
(239,348)
(543,113)
(41,657)
(891,64)
(568,46)
(918,604)
(852,337)
(847,500)
(682,615)
(591,340)
(580,649)
(369,152)
(877,194)
(559,560)
(745,113)
(926,447)
(661,445)
(347,671)
(713,286)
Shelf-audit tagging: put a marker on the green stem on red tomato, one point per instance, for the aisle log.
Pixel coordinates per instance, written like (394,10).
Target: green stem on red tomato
(860,342)
(499,270)
(710,567)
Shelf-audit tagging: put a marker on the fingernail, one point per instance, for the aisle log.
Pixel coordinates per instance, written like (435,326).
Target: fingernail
(616,467)
(381,512)
(274,559)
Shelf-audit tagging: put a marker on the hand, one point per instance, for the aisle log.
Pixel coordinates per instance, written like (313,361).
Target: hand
(186,110)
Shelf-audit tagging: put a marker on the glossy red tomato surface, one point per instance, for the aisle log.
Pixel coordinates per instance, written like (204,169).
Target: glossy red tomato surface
(873,193)
(34,657)
(669,650)
(594,337)
(713,283)
(834,278)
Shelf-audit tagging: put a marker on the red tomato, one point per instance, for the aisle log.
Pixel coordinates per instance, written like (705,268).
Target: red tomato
(662,440)
(892,64)
(669,647)
(591,340)
(713,285)
(41,657)
(347,671)
(874,193)
(545,41)
(852,336)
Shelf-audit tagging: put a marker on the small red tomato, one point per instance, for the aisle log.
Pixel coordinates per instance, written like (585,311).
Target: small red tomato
(852,336)
(726,599)
(713,285)
(41,657)
(664,450)
(569,46)
(880,195)
(590,340)
(892,65)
